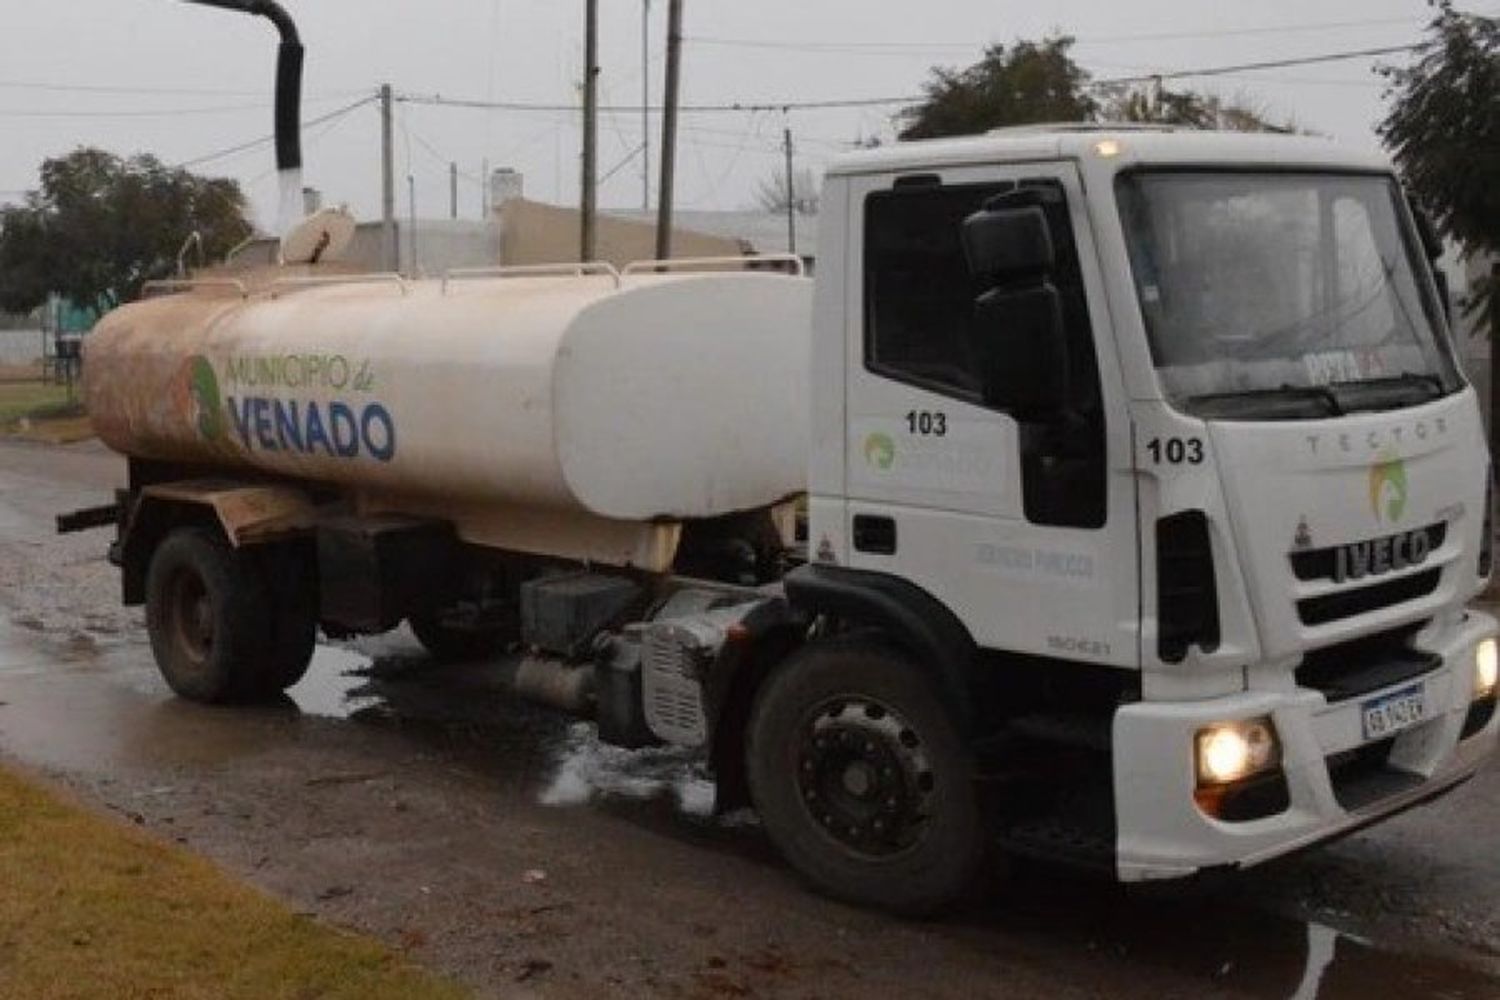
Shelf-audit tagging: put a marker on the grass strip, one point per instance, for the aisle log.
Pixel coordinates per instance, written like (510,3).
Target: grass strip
(92,908)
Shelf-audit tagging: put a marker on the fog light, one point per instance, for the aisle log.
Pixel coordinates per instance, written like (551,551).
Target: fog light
(1486,667)
(1232,751)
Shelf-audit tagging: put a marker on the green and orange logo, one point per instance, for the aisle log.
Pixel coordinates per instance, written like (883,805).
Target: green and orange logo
(1388,486)
(880,450)
(195,392)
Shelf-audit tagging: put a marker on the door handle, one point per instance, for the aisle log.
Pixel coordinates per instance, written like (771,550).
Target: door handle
(875,533)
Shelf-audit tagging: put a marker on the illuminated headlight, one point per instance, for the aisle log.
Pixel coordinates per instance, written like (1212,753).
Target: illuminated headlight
(1232,751)
(1486,667)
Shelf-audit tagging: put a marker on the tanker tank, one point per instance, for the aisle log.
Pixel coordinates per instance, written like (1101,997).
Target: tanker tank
(539,400)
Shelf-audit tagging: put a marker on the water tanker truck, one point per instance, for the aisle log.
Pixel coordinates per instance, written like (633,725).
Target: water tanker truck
(1110,496)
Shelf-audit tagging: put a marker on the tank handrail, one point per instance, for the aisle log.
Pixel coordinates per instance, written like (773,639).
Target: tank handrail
(798,268)
(170,285)
(319,280)
(577,269)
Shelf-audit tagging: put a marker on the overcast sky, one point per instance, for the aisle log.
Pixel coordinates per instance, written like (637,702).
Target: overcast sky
(182,82)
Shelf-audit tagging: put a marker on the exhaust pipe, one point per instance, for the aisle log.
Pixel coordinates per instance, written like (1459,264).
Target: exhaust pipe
(289,60)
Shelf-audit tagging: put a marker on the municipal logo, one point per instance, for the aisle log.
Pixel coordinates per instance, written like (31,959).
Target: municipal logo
(195,392)
(1388,487)
(880,450)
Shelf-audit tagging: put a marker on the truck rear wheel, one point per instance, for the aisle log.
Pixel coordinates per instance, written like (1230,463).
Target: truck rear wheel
(862,780)
(210,619)
(292,587)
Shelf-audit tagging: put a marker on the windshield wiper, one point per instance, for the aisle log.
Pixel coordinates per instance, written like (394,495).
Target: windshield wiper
(1428,380)
(1389,391)
(1287,402)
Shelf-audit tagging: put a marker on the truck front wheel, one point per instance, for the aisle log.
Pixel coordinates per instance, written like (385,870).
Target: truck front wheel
(862,780)
(209,619)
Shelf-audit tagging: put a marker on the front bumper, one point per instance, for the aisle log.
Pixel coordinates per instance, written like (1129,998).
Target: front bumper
(1163,834)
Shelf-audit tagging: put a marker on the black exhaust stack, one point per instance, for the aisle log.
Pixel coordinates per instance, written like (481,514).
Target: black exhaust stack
(288,76)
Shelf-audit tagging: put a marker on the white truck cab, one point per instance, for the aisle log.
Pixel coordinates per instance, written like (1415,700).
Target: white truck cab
(1173,415)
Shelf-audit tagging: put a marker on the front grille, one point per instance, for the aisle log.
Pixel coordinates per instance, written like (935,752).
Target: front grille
(1351,669)
(1322,564)
(1358,601)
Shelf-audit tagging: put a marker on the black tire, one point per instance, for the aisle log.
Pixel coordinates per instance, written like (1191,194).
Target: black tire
(883,811)
(447,644)
(208,616)
(291,571)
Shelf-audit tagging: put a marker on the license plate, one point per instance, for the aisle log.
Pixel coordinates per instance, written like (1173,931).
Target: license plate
(1391,713)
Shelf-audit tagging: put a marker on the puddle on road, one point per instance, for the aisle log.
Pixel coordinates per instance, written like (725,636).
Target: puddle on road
(1227,940)
(337,684)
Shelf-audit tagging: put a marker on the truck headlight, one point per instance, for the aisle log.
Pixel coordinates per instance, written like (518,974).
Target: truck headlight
(1486,667)
(1232,751)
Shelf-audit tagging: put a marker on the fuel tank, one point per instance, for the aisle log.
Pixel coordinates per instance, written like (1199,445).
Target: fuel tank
(643,398)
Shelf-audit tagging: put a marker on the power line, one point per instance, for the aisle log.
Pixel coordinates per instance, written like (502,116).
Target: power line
(69,113)
(85,88)
(905,48)
(439,100)
(246,146)
(1178,74)
(131,112)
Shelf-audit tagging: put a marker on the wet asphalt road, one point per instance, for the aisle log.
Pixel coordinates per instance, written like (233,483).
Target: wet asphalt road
(500,844)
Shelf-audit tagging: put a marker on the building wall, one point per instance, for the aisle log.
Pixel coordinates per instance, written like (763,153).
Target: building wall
(536,233)
(442,245)
(20,347)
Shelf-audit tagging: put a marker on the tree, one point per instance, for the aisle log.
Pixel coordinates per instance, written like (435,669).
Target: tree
(772,195)
(1036,82)
(1186,108)
(101,226)
(1029,82)
(1443,129)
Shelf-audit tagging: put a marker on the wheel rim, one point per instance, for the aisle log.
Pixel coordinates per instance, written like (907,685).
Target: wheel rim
(192,619)
(864,776)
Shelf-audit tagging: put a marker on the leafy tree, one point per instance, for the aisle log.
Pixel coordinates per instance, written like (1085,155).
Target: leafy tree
(1034,82)
(101,226)
(1186,108)
(1444,131)
(1029,82)
(773,196)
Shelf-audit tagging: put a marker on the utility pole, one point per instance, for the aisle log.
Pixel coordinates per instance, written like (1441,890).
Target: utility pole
(669,131)
(452,190)
(590,127)
(791,196)
(411,203)
(645,105)
(388,181)
(484,189)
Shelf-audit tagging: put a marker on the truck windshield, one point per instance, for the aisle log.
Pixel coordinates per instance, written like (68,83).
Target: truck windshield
(1286,295)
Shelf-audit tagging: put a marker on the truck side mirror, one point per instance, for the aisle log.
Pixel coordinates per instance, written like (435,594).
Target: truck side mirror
(1022,354)
(1006,244)
(1017,337)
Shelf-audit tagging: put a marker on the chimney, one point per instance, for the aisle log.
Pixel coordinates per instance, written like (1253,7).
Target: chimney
(312,200)
(505,185)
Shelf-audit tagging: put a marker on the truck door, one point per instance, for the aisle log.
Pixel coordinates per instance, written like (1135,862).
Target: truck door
(1025,529)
